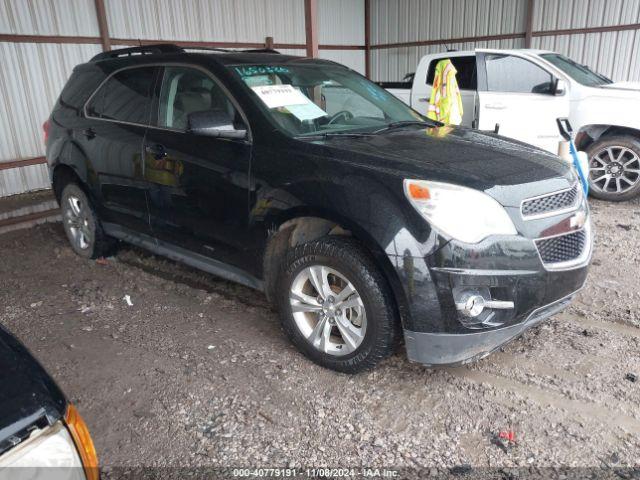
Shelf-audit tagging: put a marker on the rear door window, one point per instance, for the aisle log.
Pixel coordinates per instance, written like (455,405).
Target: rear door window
(125,96)
(506,73)
(466,67)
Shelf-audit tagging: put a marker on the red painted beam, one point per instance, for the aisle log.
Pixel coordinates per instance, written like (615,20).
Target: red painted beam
(311,27)
(22,163)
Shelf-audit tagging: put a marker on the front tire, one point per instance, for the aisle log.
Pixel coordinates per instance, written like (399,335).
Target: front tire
(336,306)
(81,224)
(614,168)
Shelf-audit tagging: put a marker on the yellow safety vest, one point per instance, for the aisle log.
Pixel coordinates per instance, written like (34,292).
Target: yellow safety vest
(445,104)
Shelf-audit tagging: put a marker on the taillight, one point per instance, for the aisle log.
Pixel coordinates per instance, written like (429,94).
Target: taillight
(84,444)
(45,128)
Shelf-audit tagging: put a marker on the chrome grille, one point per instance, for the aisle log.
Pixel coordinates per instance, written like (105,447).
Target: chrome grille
(551,203)
(563,248)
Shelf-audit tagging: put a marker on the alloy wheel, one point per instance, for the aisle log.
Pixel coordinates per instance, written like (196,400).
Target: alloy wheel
(328,310)
(77,222)
(614,170)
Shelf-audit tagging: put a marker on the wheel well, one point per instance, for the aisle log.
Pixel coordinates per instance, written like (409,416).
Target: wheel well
(63,175)
(306,229)
(291,233)
(590,134)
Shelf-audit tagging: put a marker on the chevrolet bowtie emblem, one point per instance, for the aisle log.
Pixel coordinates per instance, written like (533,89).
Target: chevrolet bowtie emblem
(578,220)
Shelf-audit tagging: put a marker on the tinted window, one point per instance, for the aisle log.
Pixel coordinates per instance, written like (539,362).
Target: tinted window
(126,96)
(466,67)
(80,86)
(512,74)
(580,73)
(187,90)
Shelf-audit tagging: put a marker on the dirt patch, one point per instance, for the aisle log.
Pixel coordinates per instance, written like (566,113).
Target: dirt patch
(198,372)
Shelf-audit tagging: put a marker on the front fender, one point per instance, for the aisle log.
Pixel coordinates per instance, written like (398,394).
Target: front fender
(374,210)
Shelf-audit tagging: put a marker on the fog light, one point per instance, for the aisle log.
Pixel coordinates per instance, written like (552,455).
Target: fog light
(471,302)
(472,306)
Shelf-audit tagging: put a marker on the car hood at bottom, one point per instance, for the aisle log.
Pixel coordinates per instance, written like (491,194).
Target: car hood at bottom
(458,155)
(28,394)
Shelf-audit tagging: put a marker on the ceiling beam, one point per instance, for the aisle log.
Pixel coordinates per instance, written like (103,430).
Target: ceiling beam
(445,41)
(13,38)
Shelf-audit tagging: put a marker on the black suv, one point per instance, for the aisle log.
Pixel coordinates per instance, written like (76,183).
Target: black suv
(362,220)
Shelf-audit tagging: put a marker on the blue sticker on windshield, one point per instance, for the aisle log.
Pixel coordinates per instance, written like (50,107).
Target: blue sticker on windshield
(260,70)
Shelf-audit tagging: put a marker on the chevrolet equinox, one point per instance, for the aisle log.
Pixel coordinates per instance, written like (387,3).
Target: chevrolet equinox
(364,222)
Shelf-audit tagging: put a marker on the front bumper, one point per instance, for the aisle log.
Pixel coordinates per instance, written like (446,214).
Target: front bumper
(434,349)
(509,270)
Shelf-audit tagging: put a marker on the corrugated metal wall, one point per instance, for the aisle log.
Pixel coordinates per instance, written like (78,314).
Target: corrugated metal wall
(32,74)
(31,77)
(615,54)
(413,20)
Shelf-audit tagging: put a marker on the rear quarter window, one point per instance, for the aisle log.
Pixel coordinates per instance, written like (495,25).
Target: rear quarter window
(125,96)
(79,87)
(466,67)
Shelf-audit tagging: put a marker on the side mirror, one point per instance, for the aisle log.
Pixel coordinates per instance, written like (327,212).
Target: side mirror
(213,123)
(561,88)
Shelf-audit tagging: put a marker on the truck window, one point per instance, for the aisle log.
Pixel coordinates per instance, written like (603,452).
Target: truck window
(466,67)
(125,96)
(506,73)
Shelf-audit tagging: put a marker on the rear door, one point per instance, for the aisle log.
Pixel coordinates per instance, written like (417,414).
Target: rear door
(467,82)
(519,95)
(117,116)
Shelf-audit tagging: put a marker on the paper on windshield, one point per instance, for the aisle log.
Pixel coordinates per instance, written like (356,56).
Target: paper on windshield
(298,104)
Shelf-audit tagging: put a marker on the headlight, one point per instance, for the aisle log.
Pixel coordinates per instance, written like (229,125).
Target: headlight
(66,445)
(52,447)
(462,213)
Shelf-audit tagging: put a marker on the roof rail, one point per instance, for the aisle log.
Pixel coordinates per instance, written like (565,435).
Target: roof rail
(261,50)
(227,50)
(142,50)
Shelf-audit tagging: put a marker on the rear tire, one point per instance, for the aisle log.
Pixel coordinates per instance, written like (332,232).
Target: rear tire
(614,168)
(336,306)
(81,224)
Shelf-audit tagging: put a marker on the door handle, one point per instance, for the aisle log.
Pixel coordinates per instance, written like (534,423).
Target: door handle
(89,133)
(495,106)
(423,99)
(156,150)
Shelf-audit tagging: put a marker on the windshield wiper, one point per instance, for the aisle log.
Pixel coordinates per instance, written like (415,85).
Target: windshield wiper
(336,134)
(406,123)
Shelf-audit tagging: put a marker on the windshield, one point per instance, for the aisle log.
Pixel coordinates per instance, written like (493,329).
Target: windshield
(306,100)
(580,73)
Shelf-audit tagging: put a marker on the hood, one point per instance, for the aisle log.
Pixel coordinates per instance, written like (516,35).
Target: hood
(28,394)
(623,86)
(474,159)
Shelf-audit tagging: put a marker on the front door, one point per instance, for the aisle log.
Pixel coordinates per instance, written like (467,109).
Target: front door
(117,116)
(519,95)
(198,185)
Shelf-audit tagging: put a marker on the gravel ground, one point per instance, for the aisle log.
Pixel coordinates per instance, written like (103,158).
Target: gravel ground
(198,372)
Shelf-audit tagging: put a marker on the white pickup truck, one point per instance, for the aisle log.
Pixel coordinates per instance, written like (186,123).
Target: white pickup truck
(525,91)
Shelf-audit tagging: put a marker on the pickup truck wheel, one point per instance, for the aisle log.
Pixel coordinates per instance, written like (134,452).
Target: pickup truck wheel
(614,168)
(335,305)
(81,224)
